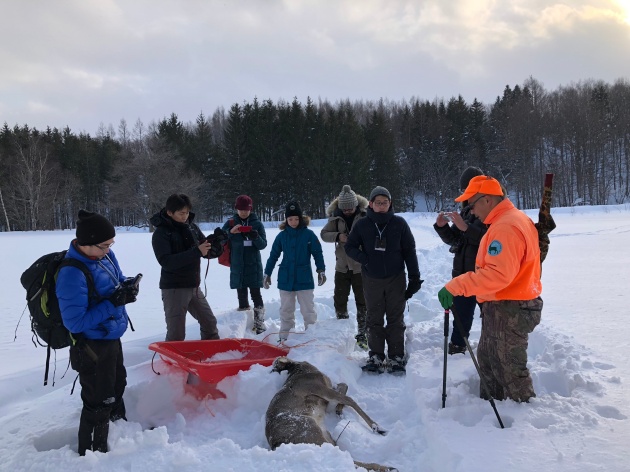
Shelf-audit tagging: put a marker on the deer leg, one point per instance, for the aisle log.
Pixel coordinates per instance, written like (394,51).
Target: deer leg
(331,395)
(341,388)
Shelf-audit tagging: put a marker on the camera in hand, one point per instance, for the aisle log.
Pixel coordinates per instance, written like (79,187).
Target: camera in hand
(244,229)
(218,236)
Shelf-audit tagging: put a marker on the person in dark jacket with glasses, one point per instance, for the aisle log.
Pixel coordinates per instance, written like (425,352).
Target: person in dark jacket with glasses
(384,245)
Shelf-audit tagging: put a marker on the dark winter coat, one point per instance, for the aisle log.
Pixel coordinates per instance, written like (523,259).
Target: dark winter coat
(400,248)
(337,225)
(464,244)
(94,319)
(175,246)
(246,268)
(298,245)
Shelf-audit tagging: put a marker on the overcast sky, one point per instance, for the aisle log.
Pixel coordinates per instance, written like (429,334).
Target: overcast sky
(80,63)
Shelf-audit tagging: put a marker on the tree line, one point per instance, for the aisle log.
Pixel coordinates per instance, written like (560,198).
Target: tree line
(277,152)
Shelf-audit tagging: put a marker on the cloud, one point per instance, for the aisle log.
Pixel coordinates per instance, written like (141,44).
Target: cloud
(93,61)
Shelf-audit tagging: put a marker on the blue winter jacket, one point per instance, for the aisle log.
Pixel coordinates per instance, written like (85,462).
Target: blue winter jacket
(95,319)
(298,245)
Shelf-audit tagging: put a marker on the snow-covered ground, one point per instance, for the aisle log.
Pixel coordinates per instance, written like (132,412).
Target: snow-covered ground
(577,356)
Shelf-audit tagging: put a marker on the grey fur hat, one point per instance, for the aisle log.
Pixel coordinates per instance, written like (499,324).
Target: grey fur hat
(347,199)
(378,190)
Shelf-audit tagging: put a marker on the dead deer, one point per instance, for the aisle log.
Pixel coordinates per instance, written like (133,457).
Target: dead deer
(296,413)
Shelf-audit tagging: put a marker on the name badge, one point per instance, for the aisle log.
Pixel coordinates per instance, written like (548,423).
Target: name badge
(380,244)
(247,243)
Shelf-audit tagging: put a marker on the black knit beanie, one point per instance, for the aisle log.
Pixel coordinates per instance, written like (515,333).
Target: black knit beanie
(93,228)
(467,175)
(292,209)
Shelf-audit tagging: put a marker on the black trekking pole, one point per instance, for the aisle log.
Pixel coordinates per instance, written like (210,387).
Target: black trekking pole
(484,386)
(446,317)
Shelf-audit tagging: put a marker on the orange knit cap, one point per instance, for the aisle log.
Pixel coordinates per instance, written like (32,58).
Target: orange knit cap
(481,184)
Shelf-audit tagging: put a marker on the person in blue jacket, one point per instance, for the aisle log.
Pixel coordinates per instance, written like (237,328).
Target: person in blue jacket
(295,276)
(97,323)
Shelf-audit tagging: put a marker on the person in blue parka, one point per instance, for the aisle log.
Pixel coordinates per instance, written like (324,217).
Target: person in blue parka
(97,321)
(295,275)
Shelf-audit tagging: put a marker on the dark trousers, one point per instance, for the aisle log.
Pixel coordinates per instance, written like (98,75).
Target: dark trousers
(256,297)
(102,386)
(344,281)
(385,299)
(177,302)
(464,309)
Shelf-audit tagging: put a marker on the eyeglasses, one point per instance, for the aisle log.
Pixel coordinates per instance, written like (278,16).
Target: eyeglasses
(381,204)
(104,247)
(472,205)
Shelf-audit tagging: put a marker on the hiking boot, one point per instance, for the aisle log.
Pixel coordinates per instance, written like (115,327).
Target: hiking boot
(342,315)
(374,365)
(455,349)
(361,341)
(396,366)
(244,308)
(259,320)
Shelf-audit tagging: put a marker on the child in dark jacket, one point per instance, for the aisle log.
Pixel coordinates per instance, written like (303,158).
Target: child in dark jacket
(97,325)
(295,276)
(247,238)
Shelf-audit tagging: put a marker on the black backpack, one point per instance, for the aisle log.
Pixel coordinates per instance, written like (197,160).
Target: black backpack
(39,280)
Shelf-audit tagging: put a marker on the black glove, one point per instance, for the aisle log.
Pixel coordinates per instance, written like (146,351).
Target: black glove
(253,234)
(217,236)
(124,293)
(413,286)
(215,250)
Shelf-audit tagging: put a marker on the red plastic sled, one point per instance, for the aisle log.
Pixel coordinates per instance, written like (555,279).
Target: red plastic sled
(212,361)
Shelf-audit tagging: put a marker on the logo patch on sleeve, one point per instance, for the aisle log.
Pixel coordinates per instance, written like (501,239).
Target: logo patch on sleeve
(495,248)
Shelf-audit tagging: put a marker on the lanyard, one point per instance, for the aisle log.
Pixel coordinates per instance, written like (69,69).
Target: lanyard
(380,232)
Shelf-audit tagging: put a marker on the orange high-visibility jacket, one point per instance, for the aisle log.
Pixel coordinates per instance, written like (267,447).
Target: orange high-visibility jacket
(508,260)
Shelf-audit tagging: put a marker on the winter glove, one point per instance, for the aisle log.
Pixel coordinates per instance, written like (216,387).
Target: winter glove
(413,286)
(446,298)
(123,294)
(133,284)
(266,281)
(253,234)
(321,278)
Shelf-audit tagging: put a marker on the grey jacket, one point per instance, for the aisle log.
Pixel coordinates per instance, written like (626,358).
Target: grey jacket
(335,226)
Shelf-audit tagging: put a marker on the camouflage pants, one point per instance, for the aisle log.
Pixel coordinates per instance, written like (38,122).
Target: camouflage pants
(502,350)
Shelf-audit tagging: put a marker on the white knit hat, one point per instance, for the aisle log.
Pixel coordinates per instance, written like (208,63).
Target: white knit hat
(347,199)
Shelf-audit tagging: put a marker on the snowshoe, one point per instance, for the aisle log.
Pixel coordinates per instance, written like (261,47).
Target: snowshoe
(455,349)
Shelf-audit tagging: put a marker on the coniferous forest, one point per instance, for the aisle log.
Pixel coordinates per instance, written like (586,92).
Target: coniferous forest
(276,152)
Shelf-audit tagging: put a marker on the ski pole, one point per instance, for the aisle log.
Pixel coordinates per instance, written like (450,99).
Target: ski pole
(446,317)
(460,328)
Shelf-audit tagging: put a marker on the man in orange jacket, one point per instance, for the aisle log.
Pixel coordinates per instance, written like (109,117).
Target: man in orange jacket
(507,281)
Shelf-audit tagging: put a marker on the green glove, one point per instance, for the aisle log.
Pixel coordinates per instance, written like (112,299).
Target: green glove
(446,298)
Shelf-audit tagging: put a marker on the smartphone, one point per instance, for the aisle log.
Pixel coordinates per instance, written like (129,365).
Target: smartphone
(245,229)
(136,281)
(448,217)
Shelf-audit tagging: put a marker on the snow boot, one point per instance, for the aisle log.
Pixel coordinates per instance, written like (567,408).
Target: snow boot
(342,315)
(259,320)
(455,349)
(375,365)
(244,308)
(397,366)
